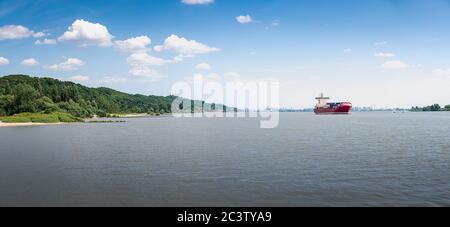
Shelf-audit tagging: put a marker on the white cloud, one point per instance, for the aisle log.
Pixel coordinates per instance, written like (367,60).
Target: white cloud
(382,43)
(442,72)
(14,32)
(395,65)
(244,19)
(30,62)
(45,42)
(181,57)
(203,66)
(136,44)
(197,2)
(18,32)
(348,50)
(158,48)
(183,46)
(85,33)
(80,78)
(145,72)
(384,55)
(139,59)
(69,65)
(4,61)
(141,65)
(39,34)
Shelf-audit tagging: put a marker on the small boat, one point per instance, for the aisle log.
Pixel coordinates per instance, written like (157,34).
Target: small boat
(325,107)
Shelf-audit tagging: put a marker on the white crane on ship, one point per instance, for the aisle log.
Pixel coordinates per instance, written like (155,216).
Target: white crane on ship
(323,101)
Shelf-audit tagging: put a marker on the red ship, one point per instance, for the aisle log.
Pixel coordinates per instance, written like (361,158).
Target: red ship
(325,107)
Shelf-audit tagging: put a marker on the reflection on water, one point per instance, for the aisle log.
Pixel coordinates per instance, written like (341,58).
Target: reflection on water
(365,159)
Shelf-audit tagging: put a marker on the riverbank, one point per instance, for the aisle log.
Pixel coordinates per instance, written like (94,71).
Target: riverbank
(39,119)
(27,124)
(134,115)
(131,115)
(35,119)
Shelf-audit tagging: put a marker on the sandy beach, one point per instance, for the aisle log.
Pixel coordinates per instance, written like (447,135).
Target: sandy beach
(133,115)
(25,124)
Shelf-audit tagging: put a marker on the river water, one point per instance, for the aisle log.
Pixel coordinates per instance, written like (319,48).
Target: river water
(364,159)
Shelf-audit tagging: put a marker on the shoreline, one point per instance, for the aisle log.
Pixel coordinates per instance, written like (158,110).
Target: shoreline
(26,124)
(134,115)
(129,115)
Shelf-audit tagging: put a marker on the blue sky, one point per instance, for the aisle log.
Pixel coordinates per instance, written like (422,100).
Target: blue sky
(383,53)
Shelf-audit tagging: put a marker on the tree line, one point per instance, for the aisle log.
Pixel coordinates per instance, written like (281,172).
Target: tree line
(432,108)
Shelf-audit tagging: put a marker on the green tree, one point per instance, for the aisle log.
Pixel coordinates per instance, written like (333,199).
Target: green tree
(7,88)
(45,104)
(447,108)
(24,97)
(435,107)
(5,104)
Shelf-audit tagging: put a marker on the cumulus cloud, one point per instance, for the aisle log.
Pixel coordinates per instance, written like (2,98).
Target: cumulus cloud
(30,62)
(14,32)
(384,55)
(244,19)
(197,2)
(80,78)
(4,61)
(140,62)
(85,33)
(141,65)
(395,65)
(203,66)
(442,72)
(136,44)
(184,46)
(69,65)
(45,42)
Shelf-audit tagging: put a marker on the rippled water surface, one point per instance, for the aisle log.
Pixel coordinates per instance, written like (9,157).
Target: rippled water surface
(365,159)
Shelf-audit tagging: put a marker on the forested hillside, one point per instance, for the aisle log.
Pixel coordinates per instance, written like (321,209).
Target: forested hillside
(21,93)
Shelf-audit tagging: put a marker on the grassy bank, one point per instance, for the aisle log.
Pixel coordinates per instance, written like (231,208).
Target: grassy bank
(41,118)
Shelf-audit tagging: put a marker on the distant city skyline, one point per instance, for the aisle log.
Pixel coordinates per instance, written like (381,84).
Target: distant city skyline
(376,53)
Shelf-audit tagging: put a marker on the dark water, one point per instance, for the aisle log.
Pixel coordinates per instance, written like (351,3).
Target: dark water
(366,159)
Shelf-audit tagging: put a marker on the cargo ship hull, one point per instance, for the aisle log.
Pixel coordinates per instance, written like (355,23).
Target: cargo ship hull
(339,108)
